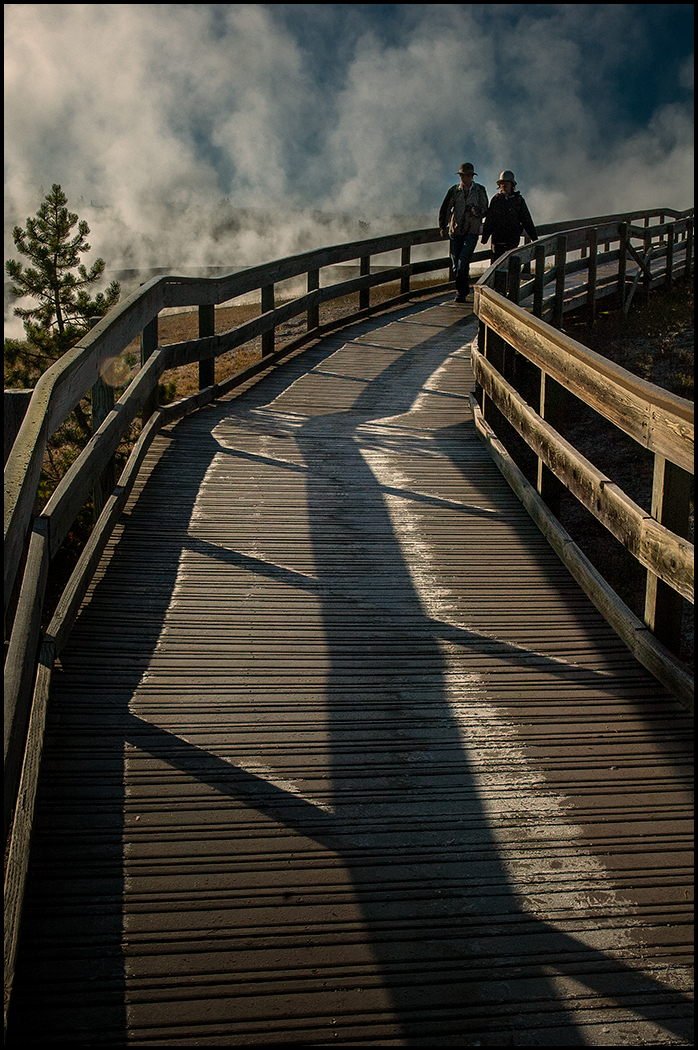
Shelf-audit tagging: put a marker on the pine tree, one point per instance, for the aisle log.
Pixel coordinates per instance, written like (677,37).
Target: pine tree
(61,316)
(64,307)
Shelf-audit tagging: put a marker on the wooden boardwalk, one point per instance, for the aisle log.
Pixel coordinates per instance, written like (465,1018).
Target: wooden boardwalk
(340,753)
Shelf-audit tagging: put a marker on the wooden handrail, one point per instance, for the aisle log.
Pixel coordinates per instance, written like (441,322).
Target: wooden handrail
(656,419)
(66,382)
(63,385)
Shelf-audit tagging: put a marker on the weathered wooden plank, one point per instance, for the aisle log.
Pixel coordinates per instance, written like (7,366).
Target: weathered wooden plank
(626,400)
(651,653)
(20,661)
(73,490)
(658,549)
(351,757)
(19,840)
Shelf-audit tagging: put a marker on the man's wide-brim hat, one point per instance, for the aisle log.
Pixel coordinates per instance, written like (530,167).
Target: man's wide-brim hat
(507,176)
(466,169)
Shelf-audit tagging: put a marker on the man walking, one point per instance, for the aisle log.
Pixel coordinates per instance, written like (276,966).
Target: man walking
(460,216)
(507,218)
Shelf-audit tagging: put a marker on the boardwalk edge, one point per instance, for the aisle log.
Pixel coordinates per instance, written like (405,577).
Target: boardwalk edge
(658,660)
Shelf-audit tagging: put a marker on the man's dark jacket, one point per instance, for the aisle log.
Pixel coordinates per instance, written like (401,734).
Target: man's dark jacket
(506,218)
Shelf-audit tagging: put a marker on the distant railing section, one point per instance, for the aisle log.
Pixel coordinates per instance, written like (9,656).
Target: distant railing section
(523,364)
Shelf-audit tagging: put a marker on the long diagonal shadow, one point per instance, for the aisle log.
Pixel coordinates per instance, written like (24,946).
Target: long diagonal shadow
(428,974)
(598,971)
(417,846)
(370,602)
(422,972)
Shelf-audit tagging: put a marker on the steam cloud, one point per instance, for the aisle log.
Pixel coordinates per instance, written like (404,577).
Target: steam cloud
(233,134)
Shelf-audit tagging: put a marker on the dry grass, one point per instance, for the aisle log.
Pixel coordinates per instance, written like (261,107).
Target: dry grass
(179,327)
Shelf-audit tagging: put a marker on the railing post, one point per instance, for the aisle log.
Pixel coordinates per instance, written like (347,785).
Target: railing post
(512,358)
(506,354)
(560,260)
(622,261)
(671,499)
(102,404)
(405,279)
(669,280)
(314,311)
(514,279)
(552,409)
(526,264)
(591,272)
(20,660)
(267,305)
(689,246)
(149,344)
(364,293)
(647,275)
(539,281)
(207,328)
(494,349)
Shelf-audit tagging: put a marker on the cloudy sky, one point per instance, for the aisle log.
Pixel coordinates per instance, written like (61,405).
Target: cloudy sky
(160,111)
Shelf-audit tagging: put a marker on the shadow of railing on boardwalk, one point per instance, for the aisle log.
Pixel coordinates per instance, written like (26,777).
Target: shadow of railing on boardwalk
(417,1003)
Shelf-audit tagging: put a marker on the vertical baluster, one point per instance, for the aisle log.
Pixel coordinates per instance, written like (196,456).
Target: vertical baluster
(552,409)
(364,293)
(493,348)
(591,270)
(669,278)
(671,497)
(514,279)
(405,279)
(149,344)
(512,358)
(207,327)
(560,260)
(102,404)
(647,275)
(267,306)
(689,247)
(314,311)
(622,261)
(539,281)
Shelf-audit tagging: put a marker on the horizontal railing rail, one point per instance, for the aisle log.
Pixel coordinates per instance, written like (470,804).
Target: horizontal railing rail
(522,364)
(62,387)
(31,542)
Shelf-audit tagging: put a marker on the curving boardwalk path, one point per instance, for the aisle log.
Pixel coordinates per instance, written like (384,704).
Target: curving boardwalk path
(340,753)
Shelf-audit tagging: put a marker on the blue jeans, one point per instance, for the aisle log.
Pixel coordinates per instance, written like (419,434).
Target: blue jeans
(462,249)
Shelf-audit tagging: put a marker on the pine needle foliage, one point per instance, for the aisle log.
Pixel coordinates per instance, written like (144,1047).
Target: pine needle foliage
(60,285)
(64,305)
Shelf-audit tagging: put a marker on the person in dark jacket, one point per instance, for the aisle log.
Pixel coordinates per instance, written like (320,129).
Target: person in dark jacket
(460,217)
(507,217)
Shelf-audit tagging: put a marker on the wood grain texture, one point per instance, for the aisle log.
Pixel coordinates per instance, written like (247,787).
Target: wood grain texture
(668,556)
(338,752)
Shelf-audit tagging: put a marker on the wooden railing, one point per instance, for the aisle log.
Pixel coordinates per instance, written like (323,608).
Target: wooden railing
(62,387)
(31,542)
(518,351)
